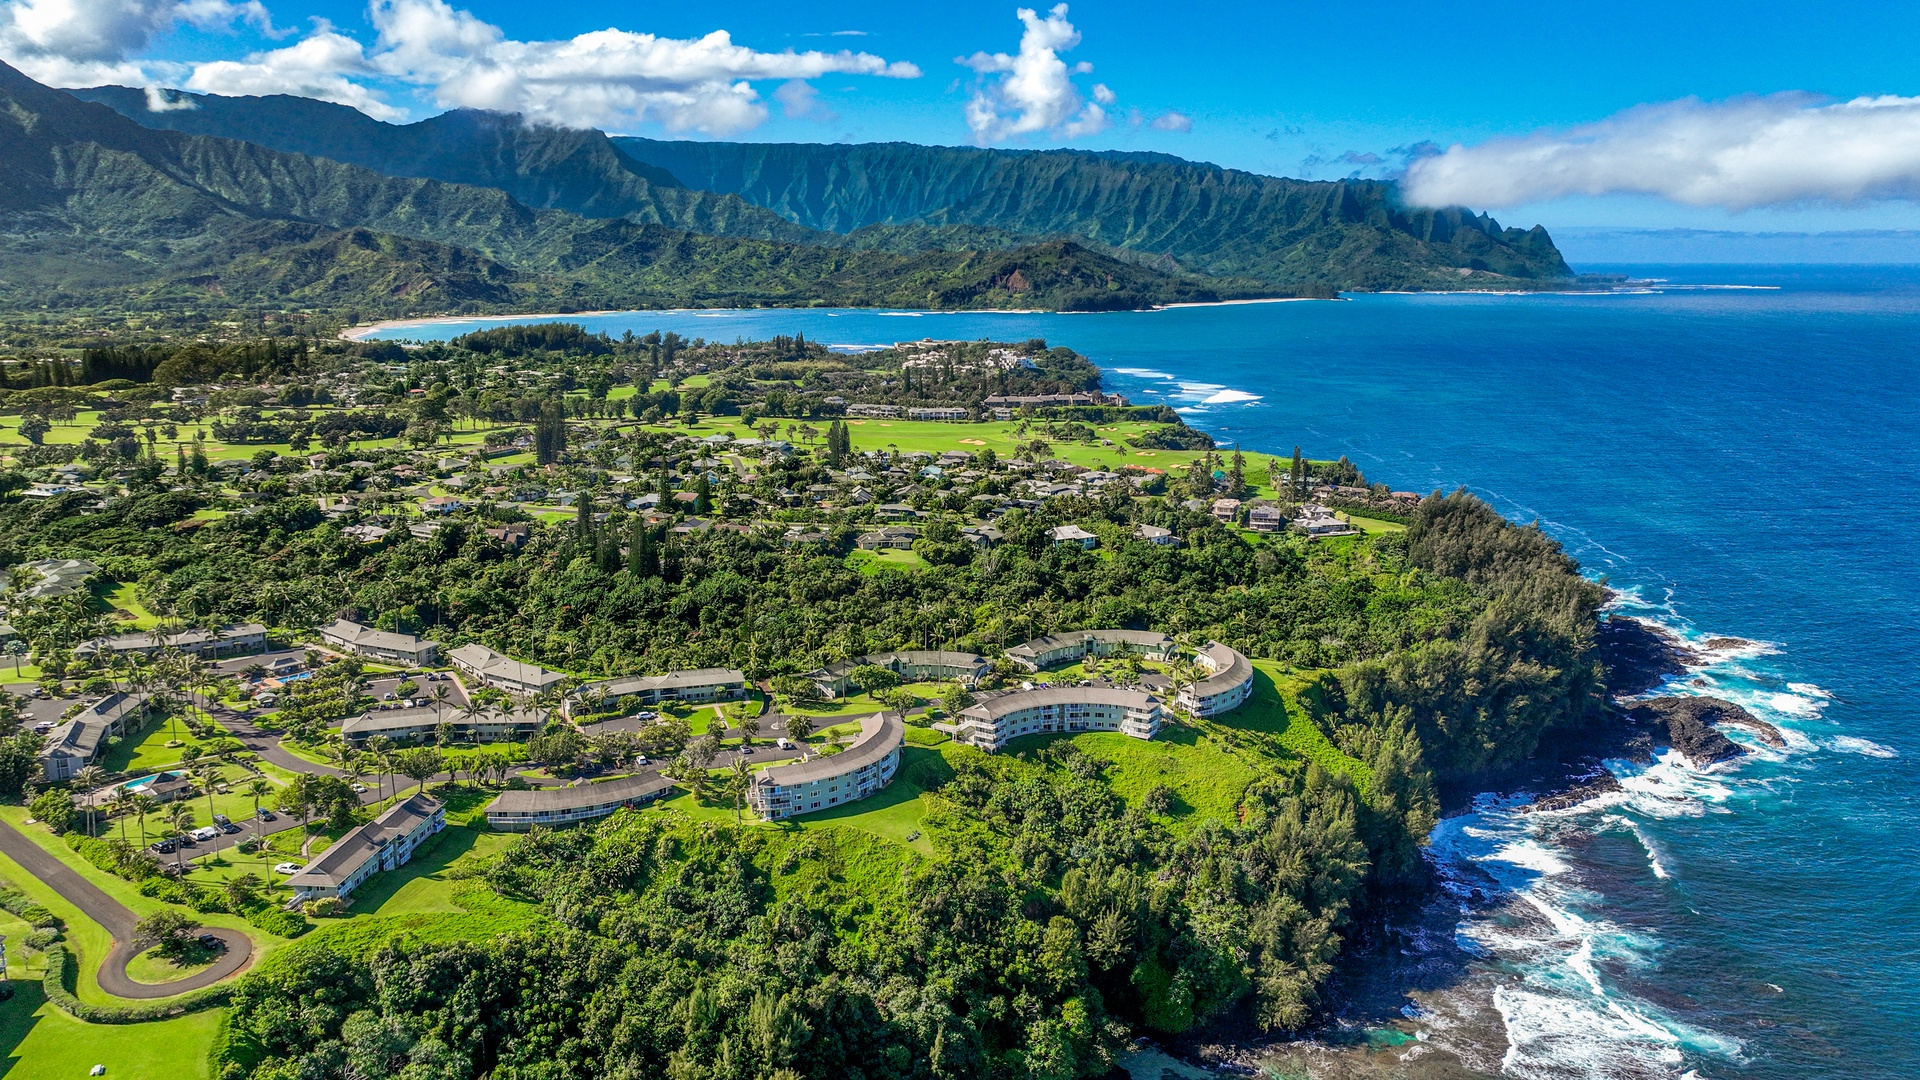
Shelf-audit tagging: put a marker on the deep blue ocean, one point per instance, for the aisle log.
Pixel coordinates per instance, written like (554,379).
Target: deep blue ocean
(1740,462)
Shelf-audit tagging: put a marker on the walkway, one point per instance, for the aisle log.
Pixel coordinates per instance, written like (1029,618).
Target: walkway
(119,921)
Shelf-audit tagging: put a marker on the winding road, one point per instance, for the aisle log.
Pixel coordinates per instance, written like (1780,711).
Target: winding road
(119,921)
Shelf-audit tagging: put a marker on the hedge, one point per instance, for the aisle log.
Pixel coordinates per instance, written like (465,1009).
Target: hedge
(19,903)
(60,979)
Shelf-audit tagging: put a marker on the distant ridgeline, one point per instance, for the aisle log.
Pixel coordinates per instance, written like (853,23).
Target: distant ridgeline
(277,204)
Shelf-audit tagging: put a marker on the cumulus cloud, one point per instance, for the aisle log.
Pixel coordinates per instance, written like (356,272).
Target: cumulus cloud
(321,65)
(1781,149)
(1033,92)
(88,42)
(606,78)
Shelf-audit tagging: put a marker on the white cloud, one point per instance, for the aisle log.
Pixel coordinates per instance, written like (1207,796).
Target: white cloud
(1779,150)
(318,66)
(90,42)
(607,78)
(1033,92)
(1172,121)
(800,101)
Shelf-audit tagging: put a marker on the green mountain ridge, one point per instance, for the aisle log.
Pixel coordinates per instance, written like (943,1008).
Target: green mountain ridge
(98,209)
(1150,209)
(1351,233)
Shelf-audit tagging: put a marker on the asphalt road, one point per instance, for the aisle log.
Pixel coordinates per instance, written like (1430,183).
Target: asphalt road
(119,921)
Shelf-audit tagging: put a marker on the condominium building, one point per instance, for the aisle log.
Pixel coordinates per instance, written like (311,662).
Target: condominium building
(992,723)
(785,791)
(381,844)
(912,665)
(1227,687)
(351,637)
(76,743)
(1051,649)
(517,811)
(503,672)
(227,641)
(411,725)
(633,691)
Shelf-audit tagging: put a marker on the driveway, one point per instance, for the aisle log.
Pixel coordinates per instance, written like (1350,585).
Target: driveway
(119,921)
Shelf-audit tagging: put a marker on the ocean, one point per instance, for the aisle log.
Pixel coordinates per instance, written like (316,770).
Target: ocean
(1736,452)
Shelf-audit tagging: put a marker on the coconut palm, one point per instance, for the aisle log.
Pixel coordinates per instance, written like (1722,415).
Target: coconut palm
(207,774)
(259,788)
(179,820)
(119,806)
(739,782)
(144,804)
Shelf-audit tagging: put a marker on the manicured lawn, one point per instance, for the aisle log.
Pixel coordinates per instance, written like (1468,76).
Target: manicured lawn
(1371,525)
(151,967)
(18,673)
(423,885)
(873,562)
(121,597)
(147,751)
(43,1043)
(1275,711)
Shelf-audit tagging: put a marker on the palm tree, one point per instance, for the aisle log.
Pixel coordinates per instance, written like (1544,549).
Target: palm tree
(179,819)
(207,774)
(119,805)
(440,694)
(86,781)
(144,804)
(259,788)
(739,781)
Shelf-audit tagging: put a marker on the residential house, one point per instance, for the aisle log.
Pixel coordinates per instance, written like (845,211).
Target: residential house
(77,742)
(1154,534)
(912,665)
(1074,534)
(1266,517)
(891,537)
(1227,510)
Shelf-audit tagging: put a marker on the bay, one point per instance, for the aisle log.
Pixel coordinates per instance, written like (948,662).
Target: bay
(1739,461)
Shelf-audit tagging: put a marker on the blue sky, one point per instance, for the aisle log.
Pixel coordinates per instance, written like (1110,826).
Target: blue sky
(1318,90)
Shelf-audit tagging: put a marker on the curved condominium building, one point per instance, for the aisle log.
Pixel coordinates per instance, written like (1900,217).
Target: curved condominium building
(991,723)
(784,791)
(1228,686)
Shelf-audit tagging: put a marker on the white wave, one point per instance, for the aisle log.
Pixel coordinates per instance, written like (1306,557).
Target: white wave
(1143,373)
(1230,397)
(1848,744)
(1653,853)
(1199,389)
(900,314)
(1805,708)
(1809,690)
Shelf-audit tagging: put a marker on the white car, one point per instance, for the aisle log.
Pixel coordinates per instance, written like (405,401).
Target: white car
(359,789)
(206,832)
(288,868)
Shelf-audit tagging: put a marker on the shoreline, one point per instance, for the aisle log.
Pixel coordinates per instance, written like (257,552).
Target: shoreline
(360,331)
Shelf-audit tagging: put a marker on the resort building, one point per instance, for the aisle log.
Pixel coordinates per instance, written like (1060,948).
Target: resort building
(883,412)
(634,691)
(912,665)
(405,649)
(503,672)
(937,413)
(381,844)
(517,811)
(991,723)
(1053,649)
(785,791)
(77,742)
(227,641)
(50,578)
(412,725)
(1228,686)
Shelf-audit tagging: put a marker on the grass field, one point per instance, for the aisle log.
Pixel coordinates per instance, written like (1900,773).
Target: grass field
(151,967)
(130,613)
(873,562)
(1370,525)
(42,1043)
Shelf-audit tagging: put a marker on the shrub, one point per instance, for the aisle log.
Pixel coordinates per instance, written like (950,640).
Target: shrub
(115,856)
(281,923)
(40,940)
(326,905)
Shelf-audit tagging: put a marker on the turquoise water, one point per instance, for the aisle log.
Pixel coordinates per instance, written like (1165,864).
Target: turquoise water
(1739,462)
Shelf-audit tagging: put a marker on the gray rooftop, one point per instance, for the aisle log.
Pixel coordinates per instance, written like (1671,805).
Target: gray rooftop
(580,796)
(346,854)
(880,735)
(1230,669)
(996,707)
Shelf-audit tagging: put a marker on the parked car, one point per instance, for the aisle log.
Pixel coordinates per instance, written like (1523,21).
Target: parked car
(229,828)
(288,868)
(164,847)
(268,815)
(222,820)
(210,941)
(206,832)
(783,744)
(184,841)
(359,789)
